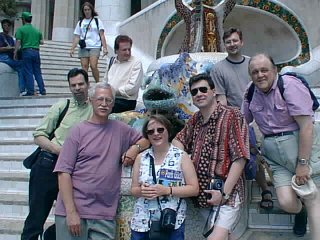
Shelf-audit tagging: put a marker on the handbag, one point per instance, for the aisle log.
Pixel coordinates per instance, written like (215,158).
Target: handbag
(32,158)
(82,42)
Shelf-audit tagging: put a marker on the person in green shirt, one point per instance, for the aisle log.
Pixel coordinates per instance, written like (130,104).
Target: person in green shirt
(28,40)
(43,183)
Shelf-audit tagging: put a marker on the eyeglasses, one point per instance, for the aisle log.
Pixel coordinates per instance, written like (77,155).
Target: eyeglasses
(152,131)
(102,99)
(194,91)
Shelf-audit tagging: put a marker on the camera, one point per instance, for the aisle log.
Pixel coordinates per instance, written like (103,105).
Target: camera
(168,219)
(215,184)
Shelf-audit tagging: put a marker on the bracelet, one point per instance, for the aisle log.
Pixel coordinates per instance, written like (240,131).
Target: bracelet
(138,146)
(170,191)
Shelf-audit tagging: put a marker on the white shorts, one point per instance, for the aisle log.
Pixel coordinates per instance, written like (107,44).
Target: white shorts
(228,216)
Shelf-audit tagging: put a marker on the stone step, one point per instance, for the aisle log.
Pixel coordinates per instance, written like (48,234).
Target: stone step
(15,204)
(34,100)
(21,120)
(16,132)
(49,67)
(14,181)
(12,162)
(17,145)
(62,77)
(12,227)
(27,110)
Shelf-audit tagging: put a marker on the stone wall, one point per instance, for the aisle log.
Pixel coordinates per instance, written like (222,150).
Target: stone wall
(9,81)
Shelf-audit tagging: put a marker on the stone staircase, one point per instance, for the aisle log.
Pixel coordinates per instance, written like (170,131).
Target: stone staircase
(55,64)
(18,119)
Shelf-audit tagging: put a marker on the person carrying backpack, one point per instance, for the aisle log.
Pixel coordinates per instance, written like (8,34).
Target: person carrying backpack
(289,143)
(89,34)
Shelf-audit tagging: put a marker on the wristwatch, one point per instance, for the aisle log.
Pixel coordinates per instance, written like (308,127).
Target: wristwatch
(225,196)
(303,161)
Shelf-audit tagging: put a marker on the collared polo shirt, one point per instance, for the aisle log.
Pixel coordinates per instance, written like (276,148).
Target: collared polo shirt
(274,113)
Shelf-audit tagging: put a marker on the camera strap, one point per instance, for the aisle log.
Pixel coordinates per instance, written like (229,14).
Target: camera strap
(87,29)
(208,229)
(153,170)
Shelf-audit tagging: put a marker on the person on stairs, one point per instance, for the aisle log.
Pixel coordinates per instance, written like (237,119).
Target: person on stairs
(28,40)
(43,183)
(7,44)
(89,34)
(125,74)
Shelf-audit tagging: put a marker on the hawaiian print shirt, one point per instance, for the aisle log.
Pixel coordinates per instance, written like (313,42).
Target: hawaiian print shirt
(214,146)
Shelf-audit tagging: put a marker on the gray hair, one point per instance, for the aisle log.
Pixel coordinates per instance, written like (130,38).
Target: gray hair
(103,85)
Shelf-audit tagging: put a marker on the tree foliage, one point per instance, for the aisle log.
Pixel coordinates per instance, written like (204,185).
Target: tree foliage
(8,7)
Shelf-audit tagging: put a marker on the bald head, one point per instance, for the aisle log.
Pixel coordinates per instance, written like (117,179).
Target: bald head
(262,71)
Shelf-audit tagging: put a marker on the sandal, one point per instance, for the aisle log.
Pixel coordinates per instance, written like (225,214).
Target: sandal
(266,203)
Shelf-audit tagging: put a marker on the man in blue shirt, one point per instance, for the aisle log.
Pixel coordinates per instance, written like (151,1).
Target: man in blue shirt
(6,52)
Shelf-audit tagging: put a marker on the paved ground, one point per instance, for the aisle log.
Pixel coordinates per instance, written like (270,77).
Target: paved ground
(272,235)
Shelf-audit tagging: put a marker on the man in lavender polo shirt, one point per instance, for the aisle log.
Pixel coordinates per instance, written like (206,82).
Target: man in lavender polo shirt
(89,171)
(289,143)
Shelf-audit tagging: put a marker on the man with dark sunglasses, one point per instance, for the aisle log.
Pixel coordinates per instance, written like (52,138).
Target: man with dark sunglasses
(217,138)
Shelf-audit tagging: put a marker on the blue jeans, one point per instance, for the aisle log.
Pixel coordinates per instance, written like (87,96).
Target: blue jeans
(177,234)
(18,67)
(43,190)
(31,58)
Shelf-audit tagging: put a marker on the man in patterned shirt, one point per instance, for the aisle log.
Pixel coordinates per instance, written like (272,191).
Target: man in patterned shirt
(217,138)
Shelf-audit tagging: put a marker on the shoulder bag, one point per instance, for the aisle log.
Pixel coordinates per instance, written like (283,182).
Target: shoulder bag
(30,160)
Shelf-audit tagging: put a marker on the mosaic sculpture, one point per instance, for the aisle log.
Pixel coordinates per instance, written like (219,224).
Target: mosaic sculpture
(204,24)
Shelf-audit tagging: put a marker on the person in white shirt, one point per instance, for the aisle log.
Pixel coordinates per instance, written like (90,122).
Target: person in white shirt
(125,74)
(90,32)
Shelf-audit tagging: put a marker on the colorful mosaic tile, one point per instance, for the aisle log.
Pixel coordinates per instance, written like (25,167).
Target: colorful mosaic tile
(264,5)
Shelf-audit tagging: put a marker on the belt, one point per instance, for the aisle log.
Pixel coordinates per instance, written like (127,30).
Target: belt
(35,49)
(278,134)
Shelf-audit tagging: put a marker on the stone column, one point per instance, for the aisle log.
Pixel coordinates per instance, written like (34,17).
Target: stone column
(65,19)
(40,13)
(112,12)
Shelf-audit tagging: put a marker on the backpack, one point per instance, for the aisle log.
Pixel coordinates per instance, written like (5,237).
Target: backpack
(315,104)
(250,168)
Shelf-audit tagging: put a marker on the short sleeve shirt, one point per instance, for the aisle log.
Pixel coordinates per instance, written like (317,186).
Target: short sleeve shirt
(274,113)
(215,145)
(93,35)
(92,154)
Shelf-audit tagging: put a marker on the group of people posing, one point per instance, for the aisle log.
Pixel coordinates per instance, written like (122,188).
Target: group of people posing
(81,165)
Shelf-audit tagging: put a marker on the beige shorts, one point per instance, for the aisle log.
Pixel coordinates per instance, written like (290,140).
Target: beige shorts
(282,152)
(228,216)
(89,52)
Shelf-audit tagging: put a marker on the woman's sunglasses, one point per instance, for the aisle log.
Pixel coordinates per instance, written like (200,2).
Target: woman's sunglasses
(194,91)
(152,131)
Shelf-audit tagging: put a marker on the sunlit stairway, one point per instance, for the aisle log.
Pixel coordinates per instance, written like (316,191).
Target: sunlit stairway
(18,118)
